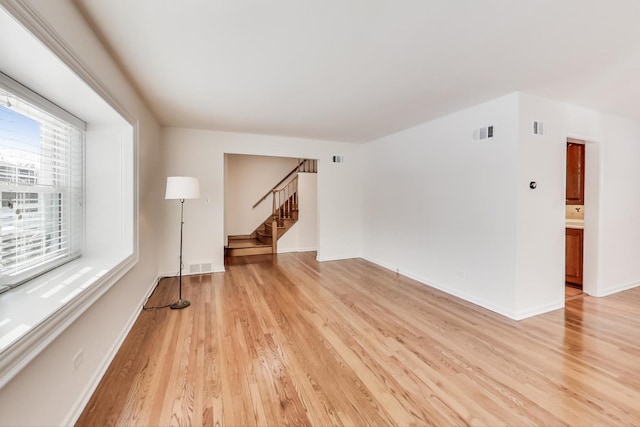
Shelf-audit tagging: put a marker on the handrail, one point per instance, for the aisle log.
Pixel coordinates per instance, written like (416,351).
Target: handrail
(294,170)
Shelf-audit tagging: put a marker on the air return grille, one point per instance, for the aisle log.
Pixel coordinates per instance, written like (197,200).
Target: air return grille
(483,133)
(538,128)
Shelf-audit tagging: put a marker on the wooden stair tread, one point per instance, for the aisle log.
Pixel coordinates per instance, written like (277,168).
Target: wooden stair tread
(268,233)
(246,247)
(244,243)
(253,250)
(240,237)
(261,241)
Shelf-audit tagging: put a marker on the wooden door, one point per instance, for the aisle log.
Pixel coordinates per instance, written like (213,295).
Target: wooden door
(573,256)
(575,174)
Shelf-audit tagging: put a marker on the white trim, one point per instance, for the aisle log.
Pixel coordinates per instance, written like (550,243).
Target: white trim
(290,250)
(308,249)
(21,91)
(286,250)
(337,257)
(136,190)
(92,385)
(541,309)
(616,289)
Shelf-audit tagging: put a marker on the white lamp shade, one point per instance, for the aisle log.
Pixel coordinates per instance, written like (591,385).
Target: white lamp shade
(182,187)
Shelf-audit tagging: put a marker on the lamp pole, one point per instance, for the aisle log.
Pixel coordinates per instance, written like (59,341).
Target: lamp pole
(180,303)
(181,188)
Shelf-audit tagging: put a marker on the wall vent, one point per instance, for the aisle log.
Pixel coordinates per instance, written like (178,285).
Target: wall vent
(203,267)
(483,133)
(538,128)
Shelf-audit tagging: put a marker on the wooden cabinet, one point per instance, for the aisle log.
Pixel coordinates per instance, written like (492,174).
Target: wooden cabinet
(574,238)
(575,173)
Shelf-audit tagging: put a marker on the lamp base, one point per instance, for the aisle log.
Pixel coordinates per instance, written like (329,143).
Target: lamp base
(181,303)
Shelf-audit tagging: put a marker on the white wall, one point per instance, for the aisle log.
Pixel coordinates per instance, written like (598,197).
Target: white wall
(461,217)
(307,225)
(303,236)
(541,212)
(442,208)
(48,391)
(201,153)
(107,189)
(612,244)
(540,231)
(619,206)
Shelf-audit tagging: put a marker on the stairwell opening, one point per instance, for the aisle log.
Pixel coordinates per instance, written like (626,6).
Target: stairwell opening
(269,196)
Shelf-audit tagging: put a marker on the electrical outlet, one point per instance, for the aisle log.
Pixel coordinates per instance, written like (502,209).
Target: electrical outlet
(78,359)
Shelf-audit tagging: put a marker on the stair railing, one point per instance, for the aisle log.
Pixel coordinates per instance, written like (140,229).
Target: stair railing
(285,201)
(305,165)
(285,206)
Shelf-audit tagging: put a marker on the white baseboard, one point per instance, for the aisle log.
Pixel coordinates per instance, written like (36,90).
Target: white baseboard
(616,289)
(296,250)
(519,315)
(82,401)
(336,257)
(535,311)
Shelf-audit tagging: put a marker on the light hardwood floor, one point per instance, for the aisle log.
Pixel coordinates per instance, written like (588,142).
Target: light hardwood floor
(297,342)
(571,293)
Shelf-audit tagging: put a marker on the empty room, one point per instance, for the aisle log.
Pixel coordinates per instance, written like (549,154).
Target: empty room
(319,213)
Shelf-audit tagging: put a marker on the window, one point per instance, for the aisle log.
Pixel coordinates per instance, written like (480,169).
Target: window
(35,313)
(41,183)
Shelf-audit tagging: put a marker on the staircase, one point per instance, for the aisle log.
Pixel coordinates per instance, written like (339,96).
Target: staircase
(264,239)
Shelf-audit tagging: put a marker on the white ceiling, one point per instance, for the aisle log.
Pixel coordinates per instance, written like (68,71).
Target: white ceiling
(356,70)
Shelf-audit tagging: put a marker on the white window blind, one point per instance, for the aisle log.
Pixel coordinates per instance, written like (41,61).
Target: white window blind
(41,182)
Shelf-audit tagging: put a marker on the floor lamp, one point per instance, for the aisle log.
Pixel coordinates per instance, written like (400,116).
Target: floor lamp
(181,188)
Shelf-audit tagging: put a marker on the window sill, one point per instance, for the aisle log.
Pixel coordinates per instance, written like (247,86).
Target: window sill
(35,313)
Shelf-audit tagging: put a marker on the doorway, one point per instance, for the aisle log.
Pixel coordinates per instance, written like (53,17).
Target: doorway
(249,181)
(574,217)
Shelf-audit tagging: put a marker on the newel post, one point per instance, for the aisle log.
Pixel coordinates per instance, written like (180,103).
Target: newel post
(274,235)
(274,226)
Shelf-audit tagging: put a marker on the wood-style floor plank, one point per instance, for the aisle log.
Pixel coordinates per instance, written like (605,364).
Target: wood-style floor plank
(290,341)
